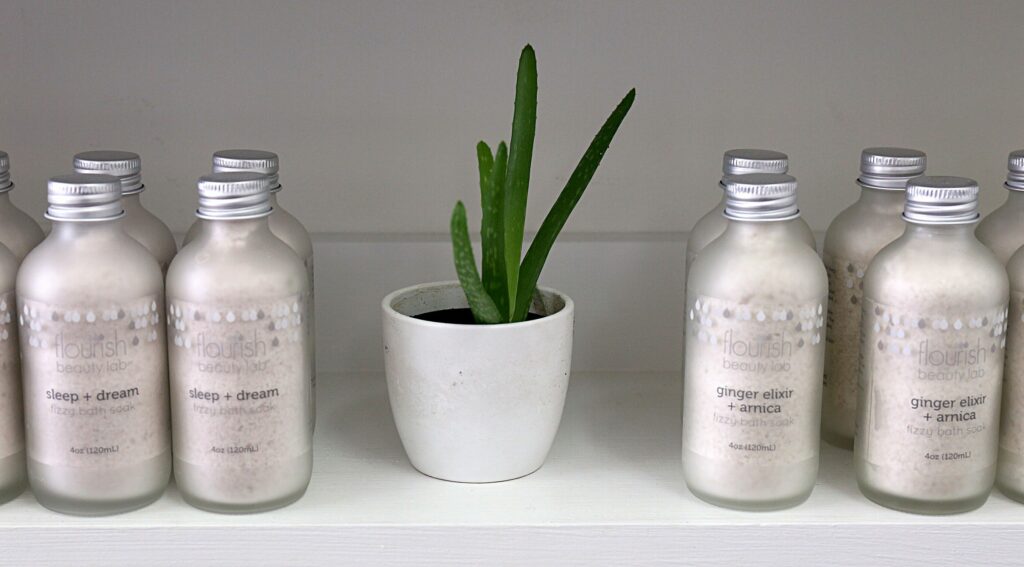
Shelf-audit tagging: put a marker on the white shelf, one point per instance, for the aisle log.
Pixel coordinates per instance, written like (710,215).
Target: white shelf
(611,493)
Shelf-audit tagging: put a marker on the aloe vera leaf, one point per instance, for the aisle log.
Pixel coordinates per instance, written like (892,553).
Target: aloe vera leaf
(517,177)
(492,235)
(533,263)
(485,162)
(484,310)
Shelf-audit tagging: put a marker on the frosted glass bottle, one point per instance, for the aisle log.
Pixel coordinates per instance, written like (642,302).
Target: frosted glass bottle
(1003,229)
(754,353)
(1010,474)
(90,305)
(738,162)
(935,308)
(18,232)
(239,354)
(283,224)
(139,223)
(851,242)
(13,477)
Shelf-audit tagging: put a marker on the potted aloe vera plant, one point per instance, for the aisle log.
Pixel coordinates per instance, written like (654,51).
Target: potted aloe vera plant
(478,369)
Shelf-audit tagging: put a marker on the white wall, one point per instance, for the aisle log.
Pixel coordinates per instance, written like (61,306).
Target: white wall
(375,106)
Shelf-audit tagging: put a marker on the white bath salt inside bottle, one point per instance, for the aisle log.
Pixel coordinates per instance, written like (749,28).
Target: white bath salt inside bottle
(239,351)
(18,232)
(1010,475)
(852,241)
(139,222)
(1003,229)
(90,315)
(738,162)
(283,224)
(933,332)
(13,477)
(755,318)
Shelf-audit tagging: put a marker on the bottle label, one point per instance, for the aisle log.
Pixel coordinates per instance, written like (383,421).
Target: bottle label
(95,382)
(240,381)
(932,393)
(12,437)
(842,336)
(753,381)
(1012,436)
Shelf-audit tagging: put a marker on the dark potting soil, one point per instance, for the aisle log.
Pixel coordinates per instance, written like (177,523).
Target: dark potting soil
(460,316)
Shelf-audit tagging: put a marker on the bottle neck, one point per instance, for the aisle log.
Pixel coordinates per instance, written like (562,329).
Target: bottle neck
(940,232)
(721,202)
(761,233)
(132,201)
(234,230)
(885,201)
(1014,199)
(87,229)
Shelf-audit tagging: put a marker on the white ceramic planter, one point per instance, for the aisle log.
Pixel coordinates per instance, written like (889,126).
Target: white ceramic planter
(475,403)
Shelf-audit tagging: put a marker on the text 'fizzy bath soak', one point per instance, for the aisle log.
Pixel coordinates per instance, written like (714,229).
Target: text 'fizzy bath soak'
(239,354)
(90,315)
(933,337)
(755,318)
(852,240)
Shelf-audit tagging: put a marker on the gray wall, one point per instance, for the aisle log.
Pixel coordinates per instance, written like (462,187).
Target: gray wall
(375,106)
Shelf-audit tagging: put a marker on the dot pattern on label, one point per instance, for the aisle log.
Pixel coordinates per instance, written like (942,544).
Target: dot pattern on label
(6,314)
(901,333)
(282,316)
(142,317)
(708,318)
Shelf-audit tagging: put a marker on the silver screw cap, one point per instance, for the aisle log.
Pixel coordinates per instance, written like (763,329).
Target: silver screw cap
(126,166)
(234,195)
(1015,171)
(890,168)
(743,161)
(84,197)
(249,160)
(941,200)
(760,197)
(5,172)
